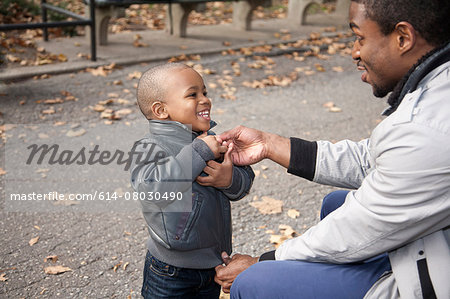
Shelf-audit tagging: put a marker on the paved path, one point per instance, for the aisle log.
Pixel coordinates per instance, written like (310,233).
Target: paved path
(105,249)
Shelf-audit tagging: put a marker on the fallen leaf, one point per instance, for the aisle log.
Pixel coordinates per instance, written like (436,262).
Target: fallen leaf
(3,277)
(314,35)
(33,241)
(328,104)
(134,75)
(338,69)
(62,58)
(277,240)
(335,109)
(76,133)
(122,112)
(268,205)
(116,266)
(49,111)
(287,230)
(12,58)
(106,102)
(319,67)
(113,95)
(2,172)
(98,108)
(123,101)
(54,101)
(124,267)
(52,258)
(54,270)
(293,213)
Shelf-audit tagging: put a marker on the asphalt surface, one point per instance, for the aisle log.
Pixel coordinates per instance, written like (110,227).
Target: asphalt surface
(105,248)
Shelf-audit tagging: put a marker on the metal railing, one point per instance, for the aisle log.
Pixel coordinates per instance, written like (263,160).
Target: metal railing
(79,21)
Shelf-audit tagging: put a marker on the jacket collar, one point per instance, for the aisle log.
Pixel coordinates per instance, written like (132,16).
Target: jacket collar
(174,128)
(411,80)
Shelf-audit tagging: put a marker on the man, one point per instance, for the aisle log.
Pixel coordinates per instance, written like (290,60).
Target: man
(400,204)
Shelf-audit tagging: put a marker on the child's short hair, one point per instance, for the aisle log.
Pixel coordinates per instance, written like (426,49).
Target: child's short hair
(151,86)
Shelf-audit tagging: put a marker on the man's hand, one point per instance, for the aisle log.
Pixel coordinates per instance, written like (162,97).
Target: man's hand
(249,145)
(213,143)
(252,146)
(225,275)
(220,175)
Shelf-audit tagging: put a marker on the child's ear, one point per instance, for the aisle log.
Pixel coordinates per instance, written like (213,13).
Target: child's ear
(159,110)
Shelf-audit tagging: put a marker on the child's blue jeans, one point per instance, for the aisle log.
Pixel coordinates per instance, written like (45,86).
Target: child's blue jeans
(301,279)
(165,281)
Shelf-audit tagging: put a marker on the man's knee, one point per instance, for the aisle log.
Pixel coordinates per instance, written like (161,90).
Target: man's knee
(247,284)
(332,201)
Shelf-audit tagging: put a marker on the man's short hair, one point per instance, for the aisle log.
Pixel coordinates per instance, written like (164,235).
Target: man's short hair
(152,86)
(431,18)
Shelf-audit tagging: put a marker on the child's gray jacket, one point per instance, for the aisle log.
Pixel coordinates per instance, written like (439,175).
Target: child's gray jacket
(189,224)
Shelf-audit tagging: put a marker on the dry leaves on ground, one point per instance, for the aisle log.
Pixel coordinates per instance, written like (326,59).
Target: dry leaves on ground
(3,277)
(103,70)
(54,270)
(268,205)
(331,106)
(52,258)
(33,241)
(293,213)
(121,263)
(286,232)
(272,81)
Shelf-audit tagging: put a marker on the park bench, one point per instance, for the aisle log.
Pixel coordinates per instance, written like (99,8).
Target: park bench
(98,13)
(177,13)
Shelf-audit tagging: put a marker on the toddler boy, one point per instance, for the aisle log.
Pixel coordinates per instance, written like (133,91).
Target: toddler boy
(182,160)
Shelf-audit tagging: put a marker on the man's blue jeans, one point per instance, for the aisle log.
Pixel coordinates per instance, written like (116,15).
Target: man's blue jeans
(165,281)
(300,279)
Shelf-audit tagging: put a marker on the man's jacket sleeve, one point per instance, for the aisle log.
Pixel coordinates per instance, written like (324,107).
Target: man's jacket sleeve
(403,198)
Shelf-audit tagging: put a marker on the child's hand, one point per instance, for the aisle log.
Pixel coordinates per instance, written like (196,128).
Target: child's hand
(216,147)
(219,174)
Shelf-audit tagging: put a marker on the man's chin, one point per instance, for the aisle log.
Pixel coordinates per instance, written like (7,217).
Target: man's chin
(379,92)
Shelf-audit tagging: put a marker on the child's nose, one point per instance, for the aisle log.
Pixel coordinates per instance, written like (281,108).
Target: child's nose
(205,100)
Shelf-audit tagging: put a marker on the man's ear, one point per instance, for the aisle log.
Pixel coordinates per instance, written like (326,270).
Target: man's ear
(159,110)
(405,37)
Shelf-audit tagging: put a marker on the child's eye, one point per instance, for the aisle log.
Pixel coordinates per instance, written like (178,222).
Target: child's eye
(193,95)
(205,93)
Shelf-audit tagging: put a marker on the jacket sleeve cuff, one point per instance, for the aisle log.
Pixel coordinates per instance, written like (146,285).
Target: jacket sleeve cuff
(303,158)
(267,256)
(235,186)
(202,149)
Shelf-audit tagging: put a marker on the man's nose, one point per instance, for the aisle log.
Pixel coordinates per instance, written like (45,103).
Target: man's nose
(356,54)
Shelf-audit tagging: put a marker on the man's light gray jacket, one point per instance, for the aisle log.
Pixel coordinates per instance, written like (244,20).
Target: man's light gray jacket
(401,204)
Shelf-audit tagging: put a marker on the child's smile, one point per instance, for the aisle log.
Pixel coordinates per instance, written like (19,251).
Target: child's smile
(204,114)
(186,99)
